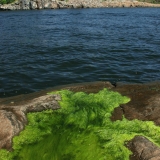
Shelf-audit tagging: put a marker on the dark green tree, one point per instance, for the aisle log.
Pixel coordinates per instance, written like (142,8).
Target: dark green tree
(6,1)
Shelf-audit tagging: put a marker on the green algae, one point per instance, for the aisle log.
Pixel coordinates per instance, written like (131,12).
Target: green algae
(81,129)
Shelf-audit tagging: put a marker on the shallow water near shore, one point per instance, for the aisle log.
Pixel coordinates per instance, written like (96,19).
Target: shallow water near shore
(45,48)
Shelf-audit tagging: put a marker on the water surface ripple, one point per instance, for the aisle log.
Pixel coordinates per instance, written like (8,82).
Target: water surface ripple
(45,48)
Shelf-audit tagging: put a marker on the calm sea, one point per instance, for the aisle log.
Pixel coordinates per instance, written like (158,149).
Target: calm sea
(45,48)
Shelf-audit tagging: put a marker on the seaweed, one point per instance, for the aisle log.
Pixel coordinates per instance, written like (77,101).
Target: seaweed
(80,129)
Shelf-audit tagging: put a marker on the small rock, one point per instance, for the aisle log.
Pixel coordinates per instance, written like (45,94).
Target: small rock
(143,149)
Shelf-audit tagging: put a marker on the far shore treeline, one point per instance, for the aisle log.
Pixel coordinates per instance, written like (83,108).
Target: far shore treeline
(6,1)
(148,1)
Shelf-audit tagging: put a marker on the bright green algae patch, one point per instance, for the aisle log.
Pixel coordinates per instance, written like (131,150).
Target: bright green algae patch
(80,130)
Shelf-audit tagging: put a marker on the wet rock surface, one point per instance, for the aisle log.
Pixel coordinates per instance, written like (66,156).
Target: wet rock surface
(144,105)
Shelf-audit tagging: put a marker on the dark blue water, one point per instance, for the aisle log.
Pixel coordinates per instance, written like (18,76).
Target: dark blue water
(46,48)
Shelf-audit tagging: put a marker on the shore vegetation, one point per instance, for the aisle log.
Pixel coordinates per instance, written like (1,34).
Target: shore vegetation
(6,1)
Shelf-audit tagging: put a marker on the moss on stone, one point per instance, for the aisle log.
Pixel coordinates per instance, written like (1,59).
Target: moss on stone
(81,129)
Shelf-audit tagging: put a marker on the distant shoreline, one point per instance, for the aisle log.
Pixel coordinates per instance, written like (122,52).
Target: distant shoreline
(61,4)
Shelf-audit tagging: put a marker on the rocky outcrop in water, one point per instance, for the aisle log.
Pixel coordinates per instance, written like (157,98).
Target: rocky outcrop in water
(57,4)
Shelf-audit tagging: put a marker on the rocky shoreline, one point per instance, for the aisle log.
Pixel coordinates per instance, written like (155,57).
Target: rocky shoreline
(61,4)
(144,105)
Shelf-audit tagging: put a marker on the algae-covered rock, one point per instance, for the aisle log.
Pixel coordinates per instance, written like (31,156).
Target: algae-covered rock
(82,127)
(13,110)
(78,130)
